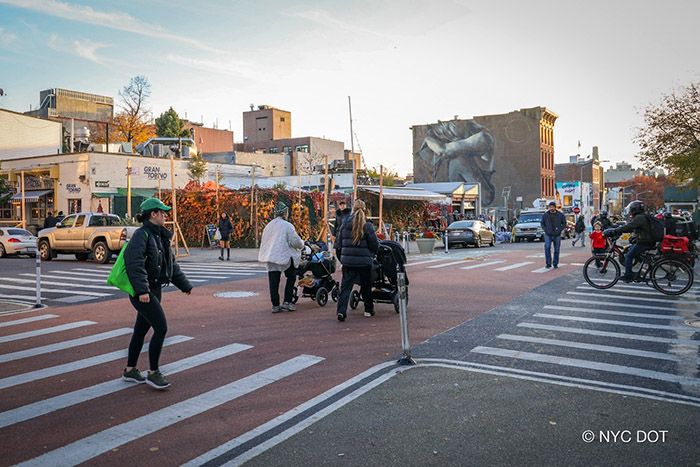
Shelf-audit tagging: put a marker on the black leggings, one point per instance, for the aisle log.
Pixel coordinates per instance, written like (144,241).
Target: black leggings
(150,315)
(274,280)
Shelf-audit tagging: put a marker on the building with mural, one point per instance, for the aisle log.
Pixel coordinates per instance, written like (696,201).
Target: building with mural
(510,156)
(574,199)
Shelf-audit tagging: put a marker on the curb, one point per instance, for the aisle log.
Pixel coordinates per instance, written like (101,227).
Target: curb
(10,306)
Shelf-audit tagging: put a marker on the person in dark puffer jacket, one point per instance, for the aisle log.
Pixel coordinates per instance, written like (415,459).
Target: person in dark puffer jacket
(358,244)
(150,265)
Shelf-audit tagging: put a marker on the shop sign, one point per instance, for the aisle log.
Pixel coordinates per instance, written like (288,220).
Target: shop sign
(72,188)
(102,184)
(153,172)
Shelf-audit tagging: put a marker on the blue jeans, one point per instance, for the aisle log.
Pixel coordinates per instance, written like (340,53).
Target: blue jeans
(548,240)
(633,253)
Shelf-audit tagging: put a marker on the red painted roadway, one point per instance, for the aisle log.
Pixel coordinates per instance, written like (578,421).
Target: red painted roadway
(440,298)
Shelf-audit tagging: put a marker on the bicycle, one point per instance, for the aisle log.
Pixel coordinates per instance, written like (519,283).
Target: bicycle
(668,275)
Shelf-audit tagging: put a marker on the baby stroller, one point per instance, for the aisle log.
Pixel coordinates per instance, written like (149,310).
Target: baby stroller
(315,274)
(388,262)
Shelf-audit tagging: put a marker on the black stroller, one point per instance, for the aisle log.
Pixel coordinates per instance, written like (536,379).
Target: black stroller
(389,261)
(315,274)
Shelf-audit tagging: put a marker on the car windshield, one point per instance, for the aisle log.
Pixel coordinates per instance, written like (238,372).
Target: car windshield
(533,217)
(19,232)
(461,225)
(102,221)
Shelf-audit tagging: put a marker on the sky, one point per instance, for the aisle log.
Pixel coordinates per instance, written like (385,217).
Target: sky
(596,64)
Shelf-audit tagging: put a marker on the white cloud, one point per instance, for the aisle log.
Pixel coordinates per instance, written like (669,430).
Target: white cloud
(224,65)
(6,38)
(113,20)
(83,48)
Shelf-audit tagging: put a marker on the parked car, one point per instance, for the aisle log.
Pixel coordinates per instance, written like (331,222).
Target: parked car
(81,234)
(14,241)
(529,227)
(472,232)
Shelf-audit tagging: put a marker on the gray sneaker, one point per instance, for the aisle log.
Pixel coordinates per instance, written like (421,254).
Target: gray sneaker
(288,306)
(156,380)
(133,375)
(276,309)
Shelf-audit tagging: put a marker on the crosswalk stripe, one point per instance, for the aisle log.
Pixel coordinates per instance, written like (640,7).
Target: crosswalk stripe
(612,322)
(513,266)
(619,335)
(616,313)
(64,284)
(541,255)
(63,345)
(627,305)
(650,291)
(111,438)
(41,332)
(43,289)
(26,320)
(484,264)
(424,262)
(50,276)
(93,271)
(75,365)
(541,270)
(62,401)
(30,297)
(595,347)
(445,264)
(589,365)
(631,297)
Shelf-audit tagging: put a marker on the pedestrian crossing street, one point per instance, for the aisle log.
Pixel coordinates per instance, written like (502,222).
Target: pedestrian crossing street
(25,408)
(533,263)
(83,283)
(627,340)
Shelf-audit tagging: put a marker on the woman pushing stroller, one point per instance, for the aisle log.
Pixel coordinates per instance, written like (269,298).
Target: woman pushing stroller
(357,244)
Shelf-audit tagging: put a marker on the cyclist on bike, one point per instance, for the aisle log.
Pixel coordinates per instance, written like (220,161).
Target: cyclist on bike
(641,226)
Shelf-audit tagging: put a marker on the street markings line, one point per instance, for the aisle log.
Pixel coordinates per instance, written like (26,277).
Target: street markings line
(64,284)
(424,262)
(104,441)
(649,291)
(628,297)
(636,306)
(616,313)
(41,332)
(618,335)
(445,264)
(31,376)
(43,289)
(612,322)
(62,401)
(514,266)
(63,345)
(26,320)
(484,264)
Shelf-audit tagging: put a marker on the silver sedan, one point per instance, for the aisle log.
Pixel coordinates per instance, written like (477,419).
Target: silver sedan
(473,232)
(15,241)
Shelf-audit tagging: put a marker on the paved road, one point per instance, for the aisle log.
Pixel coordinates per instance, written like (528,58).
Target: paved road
(302,389)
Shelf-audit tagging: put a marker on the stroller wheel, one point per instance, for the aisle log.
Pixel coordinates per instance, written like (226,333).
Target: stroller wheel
(395,301)
(334,292)
(322,296)
(354,299)
(295,295)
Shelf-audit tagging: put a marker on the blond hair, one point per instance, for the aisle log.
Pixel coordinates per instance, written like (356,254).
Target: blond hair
(358,222)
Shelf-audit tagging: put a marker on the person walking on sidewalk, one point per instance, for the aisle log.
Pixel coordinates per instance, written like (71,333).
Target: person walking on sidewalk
(580,230)
(280,250)
(225,229)
(358,244)
(150,264)
(553,223)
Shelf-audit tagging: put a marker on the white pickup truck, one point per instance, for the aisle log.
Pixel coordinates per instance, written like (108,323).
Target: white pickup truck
(84,233)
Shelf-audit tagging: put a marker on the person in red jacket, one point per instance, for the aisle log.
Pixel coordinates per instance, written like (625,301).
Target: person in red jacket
(598,241)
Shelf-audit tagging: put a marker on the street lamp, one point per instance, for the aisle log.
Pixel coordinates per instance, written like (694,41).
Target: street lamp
(636,195)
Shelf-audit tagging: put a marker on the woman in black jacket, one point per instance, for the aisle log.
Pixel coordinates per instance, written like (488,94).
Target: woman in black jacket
(358,244)
(225,229)
(150,264)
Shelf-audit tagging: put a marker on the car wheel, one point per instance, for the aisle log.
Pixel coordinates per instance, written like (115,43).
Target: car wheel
(101,253)
(493,241)
(45,250)
(3,253)
(81,256)
(478,242)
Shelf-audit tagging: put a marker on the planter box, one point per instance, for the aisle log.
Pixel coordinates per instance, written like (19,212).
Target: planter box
(425,245)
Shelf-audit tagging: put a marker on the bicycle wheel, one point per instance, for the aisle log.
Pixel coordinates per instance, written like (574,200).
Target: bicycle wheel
(671,277)
(601,272)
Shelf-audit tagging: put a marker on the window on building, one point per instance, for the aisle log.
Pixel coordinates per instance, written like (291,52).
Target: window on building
(281,119)
(302,148)
(286,149)
(274,150)
(75,205)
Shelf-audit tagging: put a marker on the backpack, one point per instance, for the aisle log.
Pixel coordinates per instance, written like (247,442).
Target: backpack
(657,228)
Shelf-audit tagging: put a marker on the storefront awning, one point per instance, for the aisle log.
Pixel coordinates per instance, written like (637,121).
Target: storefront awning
(145,192)
(30,196)
(405,193)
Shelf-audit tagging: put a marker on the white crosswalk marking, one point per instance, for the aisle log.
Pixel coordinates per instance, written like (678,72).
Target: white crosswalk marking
(26,320)
(445,264)
(616,335)
(424,262)
(513,266)
(609,321)
(99,443)
(41,332)
(484,264)
(61,291)
(62,401)
(541,255)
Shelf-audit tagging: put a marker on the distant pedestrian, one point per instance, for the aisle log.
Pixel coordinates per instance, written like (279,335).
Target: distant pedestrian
(59,217)
(580,230)
(225,228)
(502,224)
(358,243)
(553,223)
(150,264)
(341,213)
(280,250)
(50,221)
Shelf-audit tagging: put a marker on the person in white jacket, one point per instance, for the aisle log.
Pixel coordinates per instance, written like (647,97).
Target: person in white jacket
(280,250)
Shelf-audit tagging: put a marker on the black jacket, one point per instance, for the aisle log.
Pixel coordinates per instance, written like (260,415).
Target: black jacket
(49,222)
(225,227)
(641,227)
(580,225)
(356,255)
(340,217)
(150,262)
(553,228)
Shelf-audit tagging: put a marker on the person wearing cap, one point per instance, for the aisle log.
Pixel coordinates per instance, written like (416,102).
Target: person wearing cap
(150,264)
(553,223)
(280,250)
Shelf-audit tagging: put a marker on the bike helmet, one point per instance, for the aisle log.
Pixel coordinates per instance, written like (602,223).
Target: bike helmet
(635,207)
(603,212)
(667,215)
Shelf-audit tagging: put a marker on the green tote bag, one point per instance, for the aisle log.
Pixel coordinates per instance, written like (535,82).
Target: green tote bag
(117,276)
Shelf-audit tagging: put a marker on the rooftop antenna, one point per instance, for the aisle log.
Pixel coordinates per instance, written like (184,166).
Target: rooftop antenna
(251,107)
(2,92)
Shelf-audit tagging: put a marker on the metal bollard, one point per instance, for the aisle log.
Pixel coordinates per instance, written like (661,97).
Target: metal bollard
(444,239)
(403,302)
(38,279)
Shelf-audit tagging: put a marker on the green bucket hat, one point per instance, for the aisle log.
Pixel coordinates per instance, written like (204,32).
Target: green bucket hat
(153,203)
(280,209)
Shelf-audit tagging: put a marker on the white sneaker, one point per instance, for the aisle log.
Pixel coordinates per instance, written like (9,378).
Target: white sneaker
(289,306)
